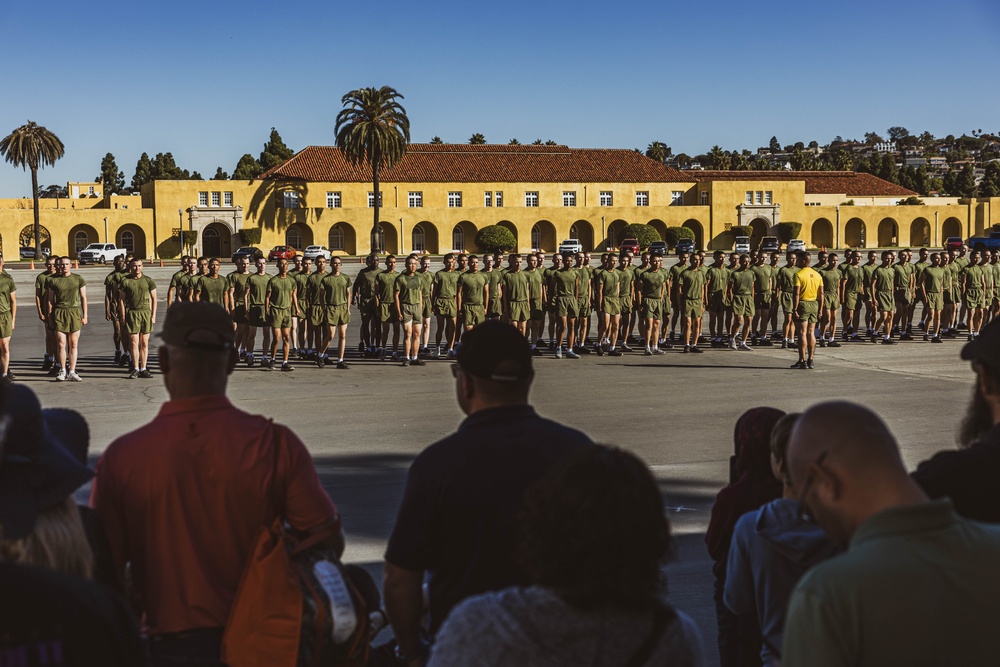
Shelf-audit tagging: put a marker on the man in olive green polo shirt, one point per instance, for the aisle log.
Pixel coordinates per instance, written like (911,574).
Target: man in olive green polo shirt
(692,292)
(337,297)
(280,304)
(607,296)
(173,290)
(740,291)
(408,302)
(236,289)
(831,275)
(473,295)
(137,313)
(301,323)
(445,300)
(8,318)
(385,307)
(883,297)
(49,361)
(536,301)
(933,281)
(785,291)
(67,303)
(426,290)
(565,291)
(111,304)
(317,308)
(652,286)
(363,296)
(254,299)
(212,287)
(515,290)
(808,305)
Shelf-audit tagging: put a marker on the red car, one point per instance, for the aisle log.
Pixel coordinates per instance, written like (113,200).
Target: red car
(281,252)
(632,245)
(954,243)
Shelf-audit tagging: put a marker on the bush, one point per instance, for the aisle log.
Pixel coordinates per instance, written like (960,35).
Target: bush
(737,230)
(675,234)
(495,237)
(250,236)
(910,201)
(644,234)
(786,231)
(189,238)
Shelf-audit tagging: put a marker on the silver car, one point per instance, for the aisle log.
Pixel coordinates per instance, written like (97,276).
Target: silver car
(313,251)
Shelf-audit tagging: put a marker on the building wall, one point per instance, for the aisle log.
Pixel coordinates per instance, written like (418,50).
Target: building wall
(99,225)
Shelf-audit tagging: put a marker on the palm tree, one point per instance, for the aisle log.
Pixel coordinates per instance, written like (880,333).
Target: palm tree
(373,129)
(32,146)
(657,150)
(477,139)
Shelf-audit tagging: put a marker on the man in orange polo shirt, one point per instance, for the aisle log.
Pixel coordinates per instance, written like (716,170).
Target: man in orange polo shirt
(808,305)
(182,497)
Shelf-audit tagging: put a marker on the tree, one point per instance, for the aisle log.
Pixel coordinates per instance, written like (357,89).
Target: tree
(719,158)
(774,146)
(477,139)
(275,151)
(888,171)
(143,172)
(514,142)
(657,150)
(642,233)
(220,175)
(250,235)
(536,142)
(373,129)
(436,140)
(897,133)
(551,142)
(113,180)
(990,185)
(910,201)
(965,183)
(195,176)
(871,138)
(675,234)
(247,168)
(786,231)
(492,238)
(52,192)
(32,147)
(164,168)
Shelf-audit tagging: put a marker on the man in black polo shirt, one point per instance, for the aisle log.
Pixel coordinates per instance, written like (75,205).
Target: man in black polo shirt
(458,517)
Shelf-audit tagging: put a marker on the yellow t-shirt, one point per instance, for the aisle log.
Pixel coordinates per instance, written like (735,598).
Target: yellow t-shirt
(810,280)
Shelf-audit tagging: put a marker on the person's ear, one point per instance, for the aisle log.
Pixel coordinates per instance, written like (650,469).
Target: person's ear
(828,483)
(987,385)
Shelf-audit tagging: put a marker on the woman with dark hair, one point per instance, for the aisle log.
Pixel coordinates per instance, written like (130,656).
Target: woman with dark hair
(594,540)
(752,484)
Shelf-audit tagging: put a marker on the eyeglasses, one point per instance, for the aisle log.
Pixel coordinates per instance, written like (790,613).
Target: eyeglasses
(803,510)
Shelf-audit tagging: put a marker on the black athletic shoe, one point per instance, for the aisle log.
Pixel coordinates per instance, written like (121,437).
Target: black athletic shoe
(696,349)
(47,364)
(10,377)
(145,374)
(418,362)
(936,339)
(614,353)
(342,365)
(888,341)
(821,342)
(855,338)
(833,343)
(798,364)
(133,375)
(905,336)
(118,356)
(599,350)
(320,363)
(687,348)
(667,346)
(809,364)
(406,362)
(53,370)
(327,361)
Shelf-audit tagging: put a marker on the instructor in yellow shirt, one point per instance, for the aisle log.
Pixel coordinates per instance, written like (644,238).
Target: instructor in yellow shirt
(808,305)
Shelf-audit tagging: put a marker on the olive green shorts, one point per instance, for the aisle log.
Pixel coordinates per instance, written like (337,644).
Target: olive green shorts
(520,311)
(975,299)
(67,320)
(317,316)
(367,307)
(255,316)
(904,297)
(949,297)
(303,309)
(762,301)
(495,308)
(566,306)
(473,314)
(612,305)
(412,312)
(387,312)
(851,300)
(138,321)
(692,307)
(935,300)
(743,306)
(337,315)
(427,310)
(831,302)
(626,304)
(240,314)
(582,307)
(537,312)
(652,308)
(717,302)
(885,302)
(808,311)
(280,318)
(445,308)
(787,302)
(6,325)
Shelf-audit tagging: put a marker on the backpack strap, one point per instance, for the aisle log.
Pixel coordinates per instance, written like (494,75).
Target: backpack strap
(661,617)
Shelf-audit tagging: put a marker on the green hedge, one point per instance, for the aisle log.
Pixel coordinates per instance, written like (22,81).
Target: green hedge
(786,231)
(642,233)
(675,234)
(495,237)
(250,236)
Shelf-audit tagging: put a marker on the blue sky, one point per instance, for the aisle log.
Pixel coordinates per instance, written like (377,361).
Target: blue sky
(207,80)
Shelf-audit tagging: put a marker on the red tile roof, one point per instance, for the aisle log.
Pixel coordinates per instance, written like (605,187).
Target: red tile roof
(850,183)
(484,163)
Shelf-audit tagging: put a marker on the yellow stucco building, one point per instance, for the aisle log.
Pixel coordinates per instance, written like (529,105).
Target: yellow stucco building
(439,196)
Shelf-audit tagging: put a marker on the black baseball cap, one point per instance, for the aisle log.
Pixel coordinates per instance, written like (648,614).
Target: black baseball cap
(187,317)
(495,351)
(985,347)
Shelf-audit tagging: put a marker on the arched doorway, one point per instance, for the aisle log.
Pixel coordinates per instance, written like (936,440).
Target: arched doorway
(951,227)
(888,233)
(615,233)
(699,233)
(342,239)
(758,230)
(26,238)
(822,233)
(299,236)
(418,240)
(513,230)
(543,236)
(388,241)
(133,239)
(583,231)
(80,237)
(854,233)
(217,240)
(463,236)
(920,232)
(660,227)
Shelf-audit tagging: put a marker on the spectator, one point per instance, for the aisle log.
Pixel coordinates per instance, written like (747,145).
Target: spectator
(50,614)
(458,517)
(752,484)
(917,584)
(598,588)
(182,497)
(771,549)
(969,475)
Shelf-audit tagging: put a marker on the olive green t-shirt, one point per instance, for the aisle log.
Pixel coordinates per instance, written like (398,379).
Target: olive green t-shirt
(473,286)
(762,278)
(625,278)
(831,281)
(883,279)
(238,283)
(973,278)
(40,283)
(691,284)
(446,283)
(212,290)
(516,286)
(385,286)
(66,290)
(718,276)
(314,288)
(336,289)
(365,283)
(609,282)
(112,279)
(186,285)
(280,290)
(136,292)
(257,285)
(408,289)
(426,284)
(869,271)
(742,282)
(175,282)
(903,273)
(786,278)
(534,284)
(853,278)
(493,278)
(564,283)
(301,285)
(934,279)
(7,287)
(651,282)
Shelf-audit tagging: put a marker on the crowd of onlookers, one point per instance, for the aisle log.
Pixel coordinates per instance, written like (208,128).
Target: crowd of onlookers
(518,541)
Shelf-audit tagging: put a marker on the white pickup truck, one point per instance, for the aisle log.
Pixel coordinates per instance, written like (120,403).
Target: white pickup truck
(100,252)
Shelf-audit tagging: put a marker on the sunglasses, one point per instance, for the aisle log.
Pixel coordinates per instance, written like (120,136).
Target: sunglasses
(804,512)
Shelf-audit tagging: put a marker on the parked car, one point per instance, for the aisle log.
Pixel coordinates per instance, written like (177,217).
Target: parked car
(29,253)
(991,242)
(795,245)
(100,252)
(658,248)
(313,251)
(953,243)
(684,245)
(280,252)
(742,244)
(571,245)
(249,252)
(632,245)
(770,244)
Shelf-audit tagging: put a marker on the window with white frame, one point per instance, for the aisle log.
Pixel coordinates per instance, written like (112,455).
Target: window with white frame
(677,198)
(227,198)
(536,238)
(498,199)
(288,199)
(767,197)
(749,199)
(336,237)
(458,239)
(703,198)
(216,199)
(418,239)
(454,200)
(80,241)
(488,199)
(415,199)
(642,198)
(333,200)
(531,199)
(371,200)
(128,240)
(90,189)
(569,198)
(758,197)
(202,199)
(606,198)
